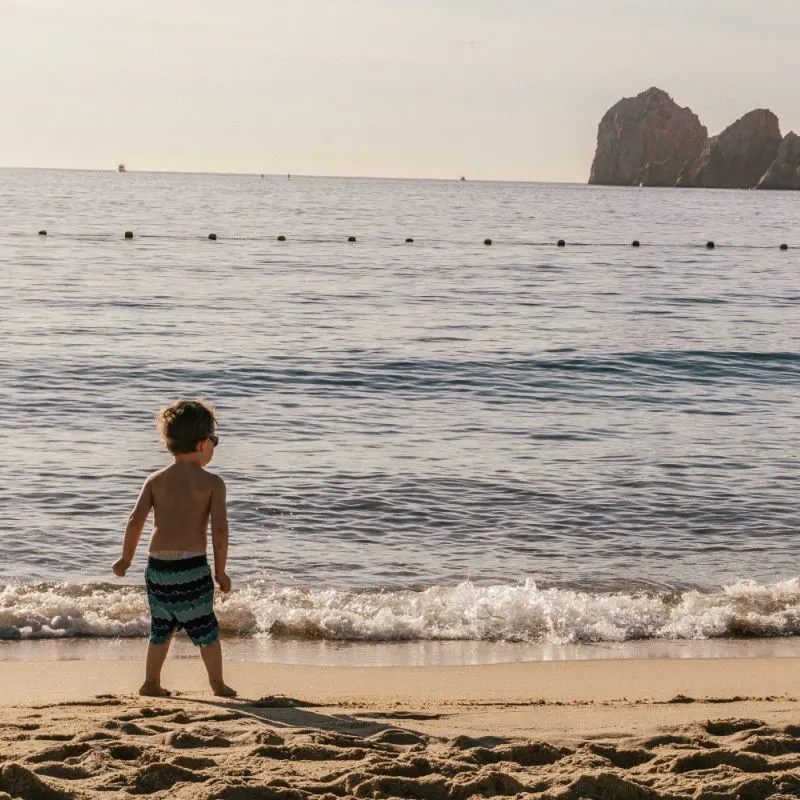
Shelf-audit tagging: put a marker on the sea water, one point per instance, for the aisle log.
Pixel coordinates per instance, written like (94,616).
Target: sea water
(428,440)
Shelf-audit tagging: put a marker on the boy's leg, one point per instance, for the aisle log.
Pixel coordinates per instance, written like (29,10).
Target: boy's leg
(162,628)
(212,658)
(156,655)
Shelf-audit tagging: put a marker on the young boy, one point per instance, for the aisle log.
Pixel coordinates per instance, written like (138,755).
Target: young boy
(183,497)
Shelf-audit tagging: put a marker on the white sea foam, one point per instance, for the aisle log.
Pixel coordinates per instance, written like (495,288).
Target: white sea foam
(514,613)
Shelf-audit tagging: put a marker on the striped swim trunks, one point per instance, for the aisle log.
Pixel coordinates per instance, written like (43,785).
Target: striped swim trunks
(181,595)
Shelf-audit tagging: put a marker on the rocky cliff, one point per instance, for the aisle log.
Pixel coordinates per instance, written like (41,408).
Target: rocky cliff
(649,140)
(784,173)
(646,140)
(739,156)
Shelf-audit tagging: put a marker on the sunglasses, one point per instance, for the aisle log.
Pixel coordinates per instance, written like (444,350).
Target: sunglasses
(214,439)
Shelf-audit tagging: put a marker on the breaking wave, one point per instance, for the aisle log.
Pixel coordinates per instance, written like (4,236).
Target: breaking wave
(502,613)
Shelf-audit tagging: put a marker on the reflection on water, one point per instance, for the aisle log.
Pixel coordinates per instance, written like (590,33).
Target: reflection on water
(403,654)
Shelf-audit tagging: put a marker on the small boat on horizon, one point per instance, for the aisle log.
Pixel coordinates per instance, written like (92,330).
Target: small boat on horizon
(121,168)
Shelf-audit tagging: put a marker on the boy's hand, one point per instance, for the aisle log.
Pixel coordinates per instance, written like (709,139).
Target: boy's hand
(120,567)
(224,583)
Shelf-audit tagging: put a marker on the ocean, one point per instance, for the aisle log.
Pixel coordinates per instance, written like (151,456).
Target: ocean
(434,440)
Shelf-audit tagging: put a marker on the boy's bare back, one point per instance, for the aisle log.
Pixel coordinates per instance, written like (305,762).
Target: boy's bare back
(183,497)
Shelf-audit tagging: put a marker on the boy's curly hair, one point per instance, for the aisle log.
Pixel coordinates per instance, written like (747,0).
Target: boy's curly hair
(185,423)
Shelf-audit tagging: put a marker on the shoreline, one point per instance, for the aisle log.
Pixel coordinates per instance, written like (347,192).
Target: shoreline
(426,653)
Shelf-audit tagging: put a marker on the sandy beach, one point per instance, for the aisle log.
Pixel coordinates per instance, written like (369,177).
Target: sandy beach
(646,729)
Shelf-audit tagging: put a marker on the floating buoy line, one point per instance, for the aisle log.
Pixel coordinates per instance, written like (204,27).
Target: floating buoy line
(559,243)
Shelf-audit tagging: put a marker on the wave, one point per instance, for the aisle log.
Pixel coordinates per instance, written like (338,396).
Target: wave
(557,369)
(510,613)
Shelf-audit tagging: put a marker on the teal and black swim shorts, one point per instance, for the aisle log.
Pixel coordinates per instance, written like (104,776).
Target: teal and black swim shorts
(181,595)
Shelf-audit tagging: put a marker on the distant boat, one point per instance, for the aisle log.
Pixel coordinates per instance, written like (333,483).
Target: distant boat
(121,168)
(462,178)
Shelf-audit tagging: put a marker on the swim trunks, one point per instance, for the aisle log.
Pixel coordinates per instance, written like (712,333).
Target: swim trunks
(181,595)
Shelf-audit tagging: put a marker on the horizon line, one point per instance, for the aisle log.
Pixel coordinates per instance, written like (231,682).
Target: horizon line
(127,171)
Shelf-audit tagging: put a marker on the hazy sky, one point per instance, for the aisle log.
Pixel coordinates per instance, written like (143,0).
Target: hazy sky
(436,88)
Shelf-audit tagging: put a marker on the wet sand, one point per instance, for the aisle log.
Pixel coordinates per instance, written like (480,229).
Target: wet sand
(425,653)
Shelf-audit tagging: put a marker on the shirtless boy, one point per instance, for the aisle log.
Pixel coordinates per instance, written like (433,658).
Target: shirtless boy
(183,497)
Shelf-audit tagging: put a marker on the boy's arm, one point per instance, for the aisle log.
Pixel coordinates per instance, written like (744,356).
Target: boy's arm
(219,533)
(133,530)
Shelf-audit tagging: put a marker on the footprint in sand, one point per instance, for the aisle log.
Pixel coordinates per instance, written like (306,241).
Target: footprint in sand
(161,776)
(178,718)
(264,736)
(95,736)
(531,754)
(187,739)
(725,727)
(125,752)
(623,759)
(194,762)
(397,736)
(717,758)
(308,752)
(772,745)
(60,754)
(67,772)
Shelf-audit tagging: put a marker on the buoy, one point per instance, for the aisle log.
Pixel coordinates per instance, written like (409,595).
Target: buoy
(635,243)
(42,233)
(351,238)
(409,240)
(783,246)
(281,238)
(710,245)
(212,236)
(129,234)
(487,241)
(561,243)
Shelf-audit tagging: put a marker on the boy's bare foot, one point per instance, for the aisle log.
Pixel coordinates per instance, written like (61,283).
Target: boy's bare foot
(149,689)
(223,690)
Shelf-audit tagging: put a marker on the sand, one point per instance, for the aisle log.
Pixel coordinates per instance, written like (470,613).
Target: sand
(639,730)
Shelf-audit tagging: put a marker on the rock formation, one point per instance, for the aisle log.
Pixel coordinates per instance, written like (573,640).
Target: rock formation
(646,140)
(739,156)
(649,140)
(784,173)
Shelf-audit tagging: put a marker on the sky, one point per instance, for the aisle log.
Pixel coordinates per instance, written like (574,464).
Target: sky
(398,88)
